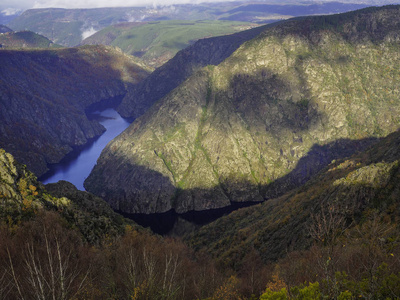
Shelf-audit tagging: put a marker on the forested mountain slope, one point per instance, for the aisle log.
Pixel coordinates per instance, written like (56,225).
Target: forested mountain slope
(325,86)
(44,94)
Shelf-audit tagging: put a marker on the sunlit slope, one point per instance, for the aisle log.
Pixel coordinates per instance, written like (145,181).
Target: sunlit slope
(276,111)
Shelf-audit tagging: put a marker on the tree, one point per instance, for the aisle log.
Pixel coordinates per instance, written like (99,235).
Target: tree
(45,260)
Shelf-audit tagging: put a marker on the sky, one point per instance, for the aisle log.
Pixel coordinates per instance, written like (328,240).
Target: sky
(13,6)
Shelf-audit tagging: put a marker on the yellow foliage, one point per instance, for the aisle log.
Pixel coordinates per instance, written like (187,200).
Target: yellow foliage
(276,284)
(33,188)
(139,291)
(27,204)
(228,291)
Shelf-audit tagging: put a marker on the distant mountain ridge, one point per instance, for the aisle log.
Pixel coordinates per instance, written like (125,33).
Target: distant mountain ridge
(4,29)
(25,39)
(157,42)
(230,131)
(68,27)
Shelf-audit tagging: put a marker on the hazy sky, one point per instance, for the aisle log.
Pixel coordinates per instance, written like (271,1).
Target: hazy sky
(12,5)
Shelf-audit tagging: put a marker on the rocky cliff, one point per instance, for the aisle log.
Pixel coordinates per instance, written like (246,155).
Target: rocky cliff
(324,85)
(44,94)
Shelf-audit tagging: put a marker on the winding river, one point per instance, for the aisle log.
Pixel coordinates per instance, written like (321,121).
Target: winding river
(77,165)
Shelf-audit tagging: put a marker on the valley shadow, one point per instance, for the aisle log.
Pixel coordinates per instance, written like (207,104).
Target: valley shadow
(319,157)
(270,103)
(171,222)
(103,104)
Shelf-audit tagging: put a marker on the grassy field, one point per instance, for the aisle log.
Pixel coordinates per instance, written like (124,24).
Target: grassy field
(157,42)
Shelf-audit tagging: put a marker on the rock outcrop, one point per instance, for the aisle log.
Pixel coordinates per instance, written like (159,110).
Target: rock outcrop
(22,197)
(325,85)
(44,94)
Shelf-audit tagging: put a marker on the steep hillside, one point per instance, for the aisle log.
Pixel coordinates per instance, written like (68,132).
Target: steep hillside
(22,197)
(164,79)
(4,29)
(321,84)
(25,39)
(157,42)
(349,188)
(44,94)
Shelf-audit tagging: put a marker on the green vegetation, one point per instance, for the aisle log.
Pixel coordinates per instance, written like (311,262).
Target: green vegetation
(25,39)
(352,252)
(157,42)
(68,26)
(23,197)
(64,26)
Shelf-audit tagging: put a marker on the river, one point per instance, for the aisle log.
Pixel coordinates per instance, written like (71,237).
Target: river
(77,165)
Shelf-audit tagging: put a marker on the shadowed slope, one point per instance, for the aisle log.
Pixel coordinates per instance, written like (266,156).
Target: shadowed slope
(44,94)
(351,186)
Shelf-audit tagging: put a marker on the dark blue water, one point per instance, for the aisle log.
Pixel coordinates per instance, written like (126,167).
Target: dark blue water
(78,165)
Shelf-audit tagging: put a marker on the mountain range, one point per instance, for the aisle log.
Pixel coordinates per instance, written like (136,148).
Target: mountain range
(68,27)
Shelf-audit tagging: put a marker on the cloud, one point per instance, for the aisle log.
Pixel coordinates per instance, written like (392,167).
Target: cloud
(28,4)
(115,3)
(88,32)
(16,4)
(11,11)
